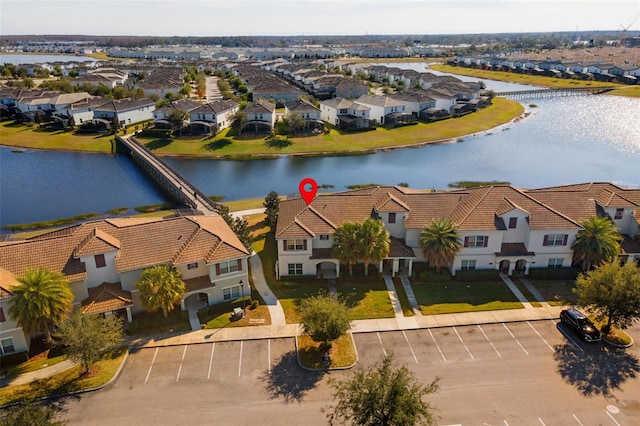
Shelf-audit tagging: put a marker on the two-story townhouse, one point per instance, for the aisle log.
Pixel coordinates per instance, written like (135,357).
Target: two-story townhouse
(345,114)
(213,116)
(261,117)
(500,227)
(126,111)
(382,108)
(161,115)
(12,338)
(103,260)
(309,112)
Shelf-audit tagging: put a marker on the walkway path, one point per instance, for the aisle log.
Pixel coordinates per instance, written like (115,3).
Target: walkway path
(395,302)
(273,304)
(412,297)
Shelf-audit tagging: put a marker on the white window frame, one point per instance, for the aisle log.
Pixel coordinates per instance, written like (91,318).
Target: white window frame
(4,345)
(555,240)
(555,262)
(194,265)
(230,293)
(468,265)
(476,241)
(228,266)
(295,245)
(295,268)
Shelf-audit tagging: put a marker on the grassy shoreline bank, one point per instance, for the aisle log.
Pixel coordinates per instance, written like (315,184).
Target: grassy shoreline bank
(502,111)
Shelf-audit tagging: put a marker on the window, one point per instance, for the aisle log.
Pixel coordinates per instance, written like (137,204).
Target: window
(476,241)
(6,346)
(619,213)
(513,222)
(294,268)
(192,265)
(555,263)
(100,261)
(555,240)
(294,245)
(468,265)
(228,266)
(392,218)
(231,292)
(324,237)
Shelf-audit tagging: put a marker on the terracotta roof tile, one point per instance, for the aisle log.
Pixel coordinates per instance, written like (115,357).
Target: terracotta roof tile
(106,297)
(97,241)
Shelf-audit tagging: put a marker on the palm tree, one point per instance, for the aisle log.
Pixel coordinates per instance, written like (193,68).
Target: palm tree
(598,241)
(41,301)
(160,287)
(375,243)
(440,243)
(346,244)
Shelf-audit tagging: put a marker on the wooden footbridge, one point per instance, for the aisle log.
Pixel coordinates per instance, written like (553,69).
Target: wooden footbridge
(555,93)
(169,180)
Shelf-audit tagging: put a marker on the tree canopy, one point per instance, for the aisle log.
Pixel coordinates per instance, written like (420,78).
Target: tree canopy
(41,301)
(383,395)
(88,337)
(375,243)
(612,292)
(440,243)
(160,287)
(271,208)
(346,244)
(30,414)
(598,241)
(324,318)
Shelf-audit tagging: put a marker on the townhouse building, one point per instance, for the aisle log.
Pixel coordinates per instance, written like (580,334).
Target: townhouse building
(102,261)
(500,227)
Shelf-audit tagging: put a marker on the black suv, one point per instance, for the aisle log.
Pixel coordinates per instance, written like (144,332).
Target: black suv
(579,322)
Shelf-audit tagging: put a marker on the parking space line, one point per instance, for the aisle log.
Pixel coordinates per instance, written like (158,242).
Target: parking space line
(614,420)
(490,342)
(578,420)
(514,338)
(151,366)
(240,360)
(181,361)
(436,343)
(410,348)
(269,356)
(213,348)
(541,422)
(380,340)
(573,342)
(463,344)
(540,336)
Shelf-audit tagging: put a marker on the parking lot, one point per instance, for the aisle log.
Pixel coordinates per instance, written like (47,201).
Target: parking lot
(531,372)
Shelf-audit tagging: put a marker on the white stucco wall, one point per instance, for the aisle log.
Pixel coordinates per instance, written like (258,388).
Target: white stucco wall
(97,276)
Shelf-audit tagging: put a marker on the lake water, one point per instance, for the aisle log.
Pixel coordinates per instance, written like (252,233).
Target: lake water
(20,59)
(569,140)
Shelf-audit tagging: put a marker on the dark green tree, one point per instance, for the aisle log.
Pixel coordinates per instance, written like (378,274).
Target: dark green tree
(612,292)
(346,244)
(375,242)
(41,301)
(160,287)
(294,123)
(324,318)
(88,337)
(383,395)
(271,209)
(598,241)
(440,243)
(241,228)
(177,118)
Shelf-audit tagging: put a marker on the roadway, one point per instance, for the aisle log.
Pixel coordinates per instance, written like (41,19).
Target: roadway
(515,373)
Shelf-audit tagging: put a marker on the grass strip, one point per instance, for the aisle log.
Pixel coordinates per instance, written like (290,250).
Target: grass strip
(407,311)
(342,353)
(525,292)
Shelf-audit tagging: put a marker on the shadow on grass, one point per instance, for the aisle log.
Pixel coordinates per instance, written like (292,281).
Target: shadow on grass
(598,370)
(278,143)
(219,144)
(289,381)
(158,143)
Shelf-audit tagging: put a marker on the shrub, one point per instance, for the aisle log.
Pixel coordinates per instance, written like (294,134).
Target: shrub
(478,275)
(134,327)
(14,359)
(185,314)
(553,273)
(255,303)
(202,312)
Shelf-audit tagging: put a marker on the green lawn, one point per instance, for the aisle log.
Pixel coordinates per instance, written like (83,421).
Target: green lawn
(402,297)
(556,292)
(154,322)
(225,146)
(219,315)
(525,292)
(443,298)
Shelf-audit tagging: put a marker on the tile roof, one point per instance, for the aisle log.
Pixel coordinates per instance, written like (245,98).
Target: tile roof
(514,249)
(106,297)
(7,282)
(140,243)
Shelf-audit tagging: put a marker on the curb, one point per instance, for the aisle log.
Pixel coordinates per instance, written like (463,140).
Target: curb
(617,345)
(78,392)
(330,368)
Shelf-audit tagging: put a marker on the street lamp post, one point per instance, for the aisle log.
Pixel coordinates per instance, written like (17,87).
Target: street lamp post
(244,303)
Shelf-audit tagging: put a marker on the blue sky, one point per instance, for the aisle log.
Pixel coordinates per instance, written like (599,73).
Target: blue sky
(311,17)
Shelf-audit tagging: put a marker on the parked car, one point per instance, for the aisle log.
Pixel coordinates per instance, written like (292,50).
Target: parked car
(580,324)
